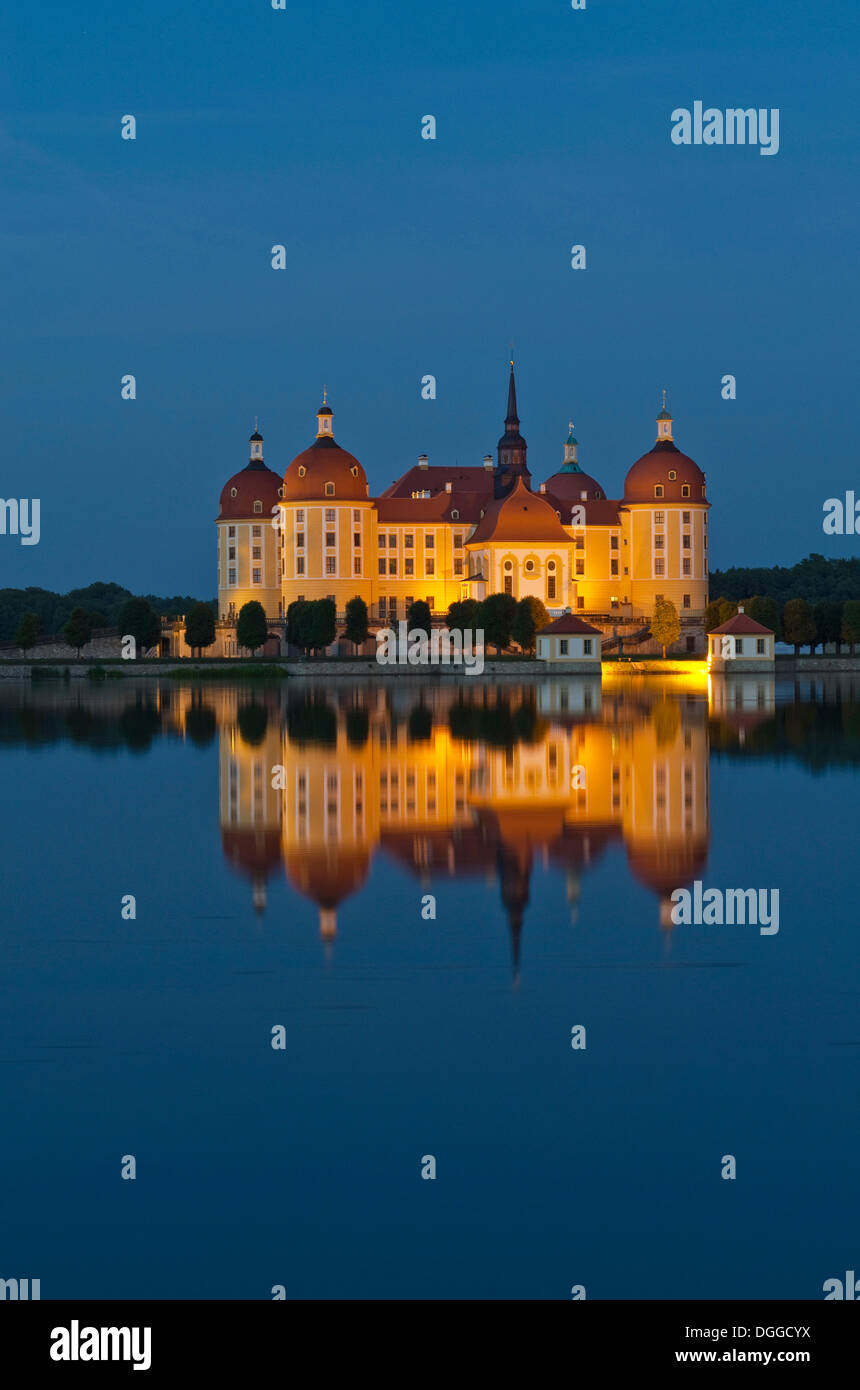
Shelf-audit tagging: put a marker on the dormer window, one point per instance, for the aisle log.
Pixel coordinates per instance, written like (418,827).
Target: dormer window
(658,490)
(232,492)
(685,490)
(302,470)
(672,475)
(455,515)
(703,493)
(281,490)
(258,506)
(354,471)
(329,489)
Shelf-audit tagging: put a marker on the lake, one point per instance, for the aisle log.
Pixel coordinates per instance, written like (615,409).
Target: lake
(433,891)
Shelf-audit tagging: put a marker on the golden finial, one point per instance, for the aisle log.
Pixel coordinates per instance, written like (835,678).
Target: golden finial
(325,394)
(664,400)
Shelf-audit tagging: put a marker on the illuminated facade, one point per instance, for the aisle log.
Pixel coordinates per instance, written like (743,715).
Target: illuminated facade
(443,534)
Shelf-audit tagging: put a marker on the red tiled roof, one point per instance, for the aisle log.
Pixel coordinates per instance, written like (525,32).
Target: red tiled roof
(740,624)
(598,511)
(522,518)
(255,483)
(569,623)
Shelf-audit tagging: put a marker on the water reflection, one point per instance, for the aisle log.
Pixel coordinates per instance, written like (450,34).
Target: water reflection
(451,780)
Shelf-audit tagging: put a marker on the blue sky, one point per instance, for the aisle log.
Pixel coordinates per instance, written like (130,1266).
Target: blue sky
(407,257)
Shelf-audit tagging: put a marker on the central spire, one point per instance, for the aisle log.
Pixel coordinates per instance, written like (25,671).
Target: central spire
(511,448)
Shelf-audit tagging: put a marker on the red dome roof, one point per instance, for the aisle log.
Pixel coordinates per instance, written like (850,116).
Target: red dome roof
(325,462)
(653,469)
(569,485)
(255,483)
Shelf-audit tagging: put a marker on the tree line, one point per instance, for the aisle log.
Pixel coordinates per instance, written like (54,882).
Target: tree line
(814,579)
(102,602)
(796,622)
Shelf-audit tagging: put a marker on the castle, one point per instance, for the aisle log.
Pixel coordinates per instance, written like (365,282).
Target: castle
(447,533)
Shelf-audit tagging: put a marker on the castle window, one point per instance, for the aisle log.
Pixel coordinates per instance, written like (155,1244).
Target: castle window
(256,531)
(550,564)
(429,541)
(300,564)
(409,540)
(458,566)
(256,576)
(429,568)
(660,566)
(232,492)
(258,506)
(685,517)
(658,490)
(508,565)
(330,538)
(353,471)
(300,540)
(300,516)
(409,566)
(613,542)
(580,602)
(381,541)
(509,584)
(659,518)
(686,601)
(392,542)
(281,490)
(356,539)
(458,542)
(613,567)
(356,515)
(550,586)
(356,565)
(580,567)
(231,531)
(256,553)
(231,552)
(302,470)
(685,490)
(686,542)
(329,513)
(455,516)
(231,576)
(703,493)
(392,566)
(659,540)
(382,566)
(586,646)
(688,567)
(330,564)
(329,489)
(672,475)
(530,564)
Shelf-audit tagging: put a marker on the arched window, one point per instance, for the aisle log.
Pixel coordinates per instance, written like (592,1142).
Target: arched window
(685,490)
(329,489)
(232,492)
(258,506)
(658,490)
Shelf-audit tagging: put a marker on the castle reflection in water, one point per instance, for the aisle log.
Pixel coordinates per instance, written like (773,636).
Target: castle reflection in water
(453,781)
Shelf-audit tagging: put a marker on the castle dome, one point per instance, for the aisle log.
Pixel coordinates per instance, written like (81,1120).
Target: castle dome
(253,491)
(664,467)
(325,469)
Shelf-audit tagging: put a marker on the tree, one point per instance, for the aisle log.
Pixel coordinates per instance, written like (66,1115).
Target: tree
(827,616)
(323,623)
(252,629)
(356,629)
(298,623)
(462,616)
(138,618)
(851,622)
(665,624)
(798,626)
(418,617)
(78,629)
(496,616)
(529,618)
(764,610)
(27,631)
(712,615)
(200,627)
